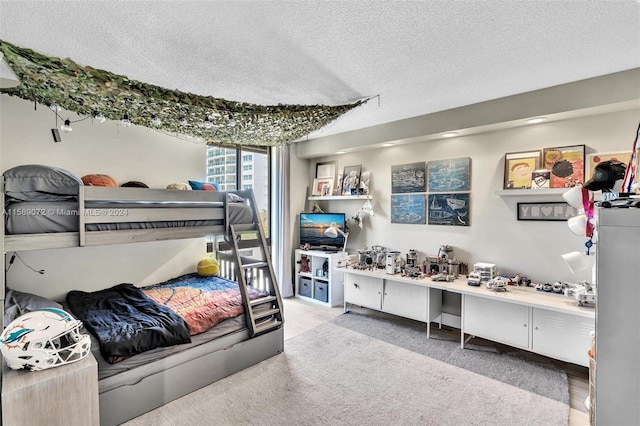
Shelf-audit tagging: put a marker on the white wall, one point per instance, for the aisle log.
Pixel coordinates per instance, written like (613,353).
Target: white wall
(495,235)
(134,153)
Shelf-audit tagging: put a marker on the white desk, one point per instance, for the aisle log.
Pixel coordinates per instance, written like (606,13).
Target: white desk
(549,324)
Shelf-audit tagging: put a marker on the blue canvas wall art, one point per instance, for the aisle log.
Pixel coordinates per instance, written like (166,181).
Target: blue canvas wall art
(408,178)
(449,175)
(408,208)
(449,209)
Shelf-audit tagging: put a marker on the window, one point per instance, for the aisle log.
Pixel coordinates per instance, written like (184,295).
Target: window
(224,169)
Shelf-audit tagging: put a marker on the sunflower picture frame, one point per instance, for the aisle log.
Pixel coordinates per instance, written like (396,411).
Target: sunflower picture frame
(566,164)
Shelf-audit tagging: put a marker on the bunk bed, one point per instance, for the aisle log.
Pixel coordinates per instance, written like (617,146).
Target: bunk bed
(138,383)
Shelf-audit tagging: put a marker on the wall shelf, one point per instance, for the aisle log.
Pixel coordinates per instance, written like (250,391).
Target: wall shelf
(339,197)
(530,192)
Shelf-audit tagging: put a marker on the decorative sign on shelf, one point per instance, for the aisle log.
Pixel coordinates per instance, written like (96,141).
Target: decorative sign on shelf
(550,211)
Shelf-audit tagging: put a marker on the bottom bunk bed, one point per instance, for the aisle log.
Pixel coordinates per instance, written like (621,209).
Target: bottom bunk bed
(136,391)
(157,343)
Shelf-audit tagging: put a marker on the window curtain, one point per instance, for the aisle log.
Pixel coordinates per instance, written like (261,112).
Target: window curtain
(281,220)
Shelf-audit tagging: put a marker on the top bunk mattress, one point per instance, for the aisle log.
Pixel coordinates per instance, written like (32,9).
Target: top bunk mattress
(39,217)
(36,217)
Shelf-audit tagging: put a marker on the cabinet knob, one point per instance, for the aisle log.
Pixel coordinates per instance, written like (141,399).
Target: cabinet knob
(524,325)
(536,328)
(356,285)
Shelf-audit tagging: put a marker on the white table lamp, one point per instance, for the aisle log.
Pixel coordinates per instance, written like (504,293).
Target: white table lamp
(332,232)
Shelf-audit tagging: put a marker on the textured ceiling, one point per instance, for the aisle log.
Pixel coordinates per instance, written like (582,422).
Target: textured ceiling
(420,57)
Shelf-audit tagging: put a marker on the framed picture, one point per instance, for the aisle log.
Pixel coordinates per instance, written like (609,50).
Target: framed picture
(449,175)
(540,179)
(326,170)
(449,209)
(408,208)
(322,187)
(518,168)
(566,164)
(351,179)
(365,182)
(408,178)
(594,159)
(553,211)
(337,188)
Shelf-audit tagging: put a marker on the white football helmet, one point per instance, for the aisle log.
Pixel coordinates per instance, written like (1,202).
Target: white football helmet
(42,339)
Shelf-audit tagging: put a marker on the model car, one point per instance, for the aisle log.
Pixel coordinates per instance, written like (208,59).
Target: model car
(474,279)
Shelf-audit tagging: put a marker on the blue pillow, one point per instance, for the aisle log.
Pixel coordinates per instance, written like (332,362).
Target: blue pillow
(202,186)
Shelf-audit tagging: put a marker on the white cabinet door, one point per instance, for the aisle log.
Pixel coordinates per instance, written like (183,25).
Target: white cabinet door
(496,320)
(562,336)
(406,300)
(363,291)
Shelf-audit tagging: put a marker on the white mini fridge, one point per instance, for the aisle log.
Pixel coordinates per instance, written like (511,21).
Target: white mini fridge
(617,358)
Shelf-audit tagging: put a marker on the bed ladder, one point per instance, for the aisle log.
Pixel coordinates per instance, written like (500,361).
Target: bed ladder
(259,319)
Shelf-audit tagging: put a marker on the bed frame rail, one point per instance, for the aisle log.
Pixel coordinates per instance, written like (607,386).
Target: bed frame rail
(106,207)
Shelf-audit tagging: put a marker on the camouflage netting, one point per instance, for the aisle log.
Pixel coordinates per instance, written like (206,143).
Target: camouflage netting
(89,91)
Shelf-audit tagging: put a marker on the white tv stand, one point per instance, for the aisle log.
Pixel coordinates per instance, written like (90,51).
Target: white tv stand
(320,283)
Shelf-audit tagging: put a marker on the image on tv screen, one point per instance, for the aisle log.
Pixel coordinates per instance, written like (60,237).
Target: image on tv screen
(313,225)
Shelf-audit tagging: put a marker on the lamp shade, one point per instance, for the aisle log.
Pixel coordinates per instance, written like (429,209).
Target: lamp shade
(578,261)
(578,225)
(575,196)
(333,231)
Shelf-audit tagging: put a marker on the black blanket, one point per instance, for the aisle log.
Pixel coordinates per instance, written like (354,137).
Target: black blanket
(126,322)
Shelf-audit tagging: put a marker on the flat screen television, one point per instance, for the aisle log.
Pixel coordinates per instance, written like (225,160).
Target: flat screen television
(313,225)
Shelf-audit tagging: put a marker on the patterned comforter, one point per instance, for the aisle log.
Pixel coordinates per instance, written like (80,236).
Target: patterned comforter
(203,302)
(128,320)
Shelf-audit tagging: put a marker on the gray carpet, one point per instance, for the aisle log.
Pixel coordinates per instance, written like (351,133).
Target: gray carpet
(331,375)
(522,369)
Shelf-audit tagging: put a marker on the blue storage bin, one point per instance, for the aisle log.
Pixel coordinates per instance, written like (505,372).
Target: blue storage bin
(321,291)
(304,287)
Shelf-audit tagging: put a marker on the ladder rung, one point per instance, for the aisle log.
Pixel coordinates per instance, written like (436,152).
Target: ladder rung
(262,300)
(245,228)
(267,325)
(252,243)
(265,313)
(254,265)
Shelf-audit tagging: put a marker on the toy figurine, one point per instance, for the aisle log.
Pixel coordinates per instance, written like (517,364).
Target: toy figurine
(304,263)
